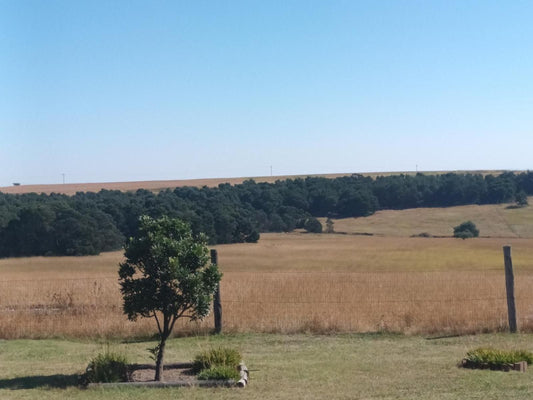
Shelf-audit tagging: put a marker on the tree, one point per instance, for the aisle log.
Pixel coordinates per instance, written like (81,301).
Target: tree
(466,230)
(166,276)
(313,225)
(521,199)
(329,225)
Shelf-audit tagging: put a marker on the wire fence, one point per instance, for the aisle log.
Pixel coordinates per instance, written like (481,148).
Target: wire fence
(409,302)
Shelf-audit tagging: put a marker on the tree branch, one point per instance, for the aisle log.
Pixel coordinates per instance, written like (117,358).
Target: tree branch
(158,324)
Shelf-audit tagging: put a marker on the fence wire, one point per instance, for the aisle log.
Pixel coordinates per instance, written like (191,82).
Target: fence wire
(453,301)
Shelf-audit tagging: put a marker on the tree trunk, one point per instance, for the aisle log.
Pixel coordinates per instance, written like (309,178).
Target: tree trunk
(159,361)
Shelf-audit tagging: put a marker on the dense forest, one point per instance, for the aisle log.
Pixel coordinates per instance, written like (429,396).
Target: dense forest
(89,223)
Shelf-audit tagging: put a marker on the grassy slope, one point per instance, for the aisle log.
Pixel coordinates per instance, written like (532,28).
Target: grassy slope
(494,220)
(299,252)
(284,367)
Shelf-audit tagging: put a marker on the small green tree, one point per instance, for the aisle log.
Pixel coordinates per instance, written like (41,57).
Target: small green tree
(166,276)
(521,199)
(329,225)
(466,230)
(313,225)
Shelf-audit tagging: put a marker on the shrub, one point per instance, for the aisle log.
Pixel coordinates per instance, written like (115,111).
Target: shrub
(217,357)
(466,230)
(220,372)
(313,225)
(423,235)
(490,357)
(521,199)
(107,367)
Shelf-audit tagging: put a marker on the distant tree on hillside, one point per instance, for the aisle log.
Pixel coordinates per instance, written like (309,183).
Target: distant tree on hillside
(466,230)
(521,199)
(329,225)
(313,225)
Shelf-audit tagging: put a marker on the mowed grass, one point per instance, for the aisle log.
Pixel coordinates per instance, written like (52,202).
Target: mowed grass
(302,366)
(493,220)
(290,283)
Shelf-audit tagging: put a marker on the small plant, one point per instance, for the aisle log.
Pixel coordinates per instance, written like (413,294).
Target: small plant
(220,372)
(492,358)
(107,367)
(466,230)
(217,357)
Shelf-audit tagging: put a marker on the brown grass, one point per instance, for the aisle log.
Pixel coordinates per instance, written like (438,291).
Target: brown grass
(289,283)
(494,220)
(73,188)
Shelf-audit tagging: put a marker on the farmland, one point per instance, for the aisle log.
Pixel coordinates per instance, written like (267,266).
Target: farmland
(493,220)
(290,283)
(280,296)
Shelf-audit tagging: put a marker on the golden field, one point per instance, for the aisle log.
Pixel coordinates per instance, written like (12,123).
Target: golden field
(492,220)
(290,283)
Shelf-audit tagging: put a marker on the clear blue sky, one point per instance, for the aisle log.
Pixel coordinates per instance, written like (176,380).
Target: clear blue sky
(146,90)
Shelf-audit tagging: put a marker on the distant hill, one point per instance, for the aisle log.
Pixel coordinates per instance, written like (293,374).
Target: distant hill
(156,186)
(493,220)
(88,223)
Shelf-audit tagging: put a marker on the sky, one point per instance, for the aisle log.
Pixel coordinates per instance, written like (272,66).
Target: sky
(106,91)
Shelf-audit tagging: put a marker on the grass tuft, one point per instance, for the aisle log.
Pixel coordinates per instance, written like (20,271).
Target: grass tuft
(107,367)
(217,357)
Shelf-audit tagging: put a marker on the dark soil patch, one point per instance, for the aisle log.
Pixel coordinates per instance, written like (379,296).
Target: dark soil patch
(181,372)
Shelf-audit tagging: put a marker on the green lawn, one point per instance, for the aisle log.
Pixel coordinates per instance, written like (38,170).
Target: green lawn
(362,366)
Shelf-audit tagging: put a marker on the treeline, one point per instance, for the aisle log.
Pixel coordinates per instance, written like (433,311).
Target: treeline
(88,223)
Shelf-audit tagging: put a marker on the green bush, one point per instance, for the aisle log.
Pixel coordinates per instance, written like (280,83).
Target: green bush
(107,367)
(220,372)
(217,357)
(487,356)
(312,225)
(466,230)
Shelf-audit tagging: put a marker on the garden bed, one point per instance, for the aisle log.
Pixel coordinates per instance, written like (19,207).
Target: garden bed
(519,366)
(174,375)
(497,360)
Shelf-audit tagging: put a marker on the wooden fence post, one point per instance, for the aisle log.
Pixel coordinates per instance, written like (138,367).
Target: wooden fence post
(217,305)
(509,285)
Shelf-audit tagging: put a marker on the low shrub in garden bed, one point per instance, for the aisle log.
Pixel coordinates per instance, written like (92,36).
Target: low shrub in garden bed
(219,363)
(107,367)
(487,357)
(221,366)
(221,372)
(219,356)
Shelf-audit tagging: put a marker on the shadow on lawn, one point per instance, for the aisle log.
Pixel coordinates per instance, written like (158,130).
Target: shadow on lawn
(40,381)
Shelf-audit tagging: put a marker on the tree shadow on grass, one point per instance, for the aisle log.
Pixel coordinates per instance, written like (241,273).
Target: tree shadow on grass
(58,381)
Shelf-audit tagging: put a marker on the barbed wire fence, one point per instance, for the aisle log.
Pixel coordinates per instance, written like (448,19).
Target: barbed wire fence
(392,301)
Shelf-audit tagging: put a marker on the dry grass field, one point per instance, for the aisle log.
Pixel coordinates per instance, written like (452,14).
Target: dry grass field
(493,220)
(296,282)
(72,188)
(290,283)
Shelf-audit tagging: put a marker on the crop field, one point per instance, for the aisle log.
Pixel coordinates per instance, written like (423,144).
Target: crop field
(290,283)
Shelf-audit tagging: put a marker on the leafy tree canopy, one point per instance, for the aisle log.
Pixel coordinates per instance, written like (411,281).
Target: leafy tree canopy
(89,223)
(466,230)
(166,276)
